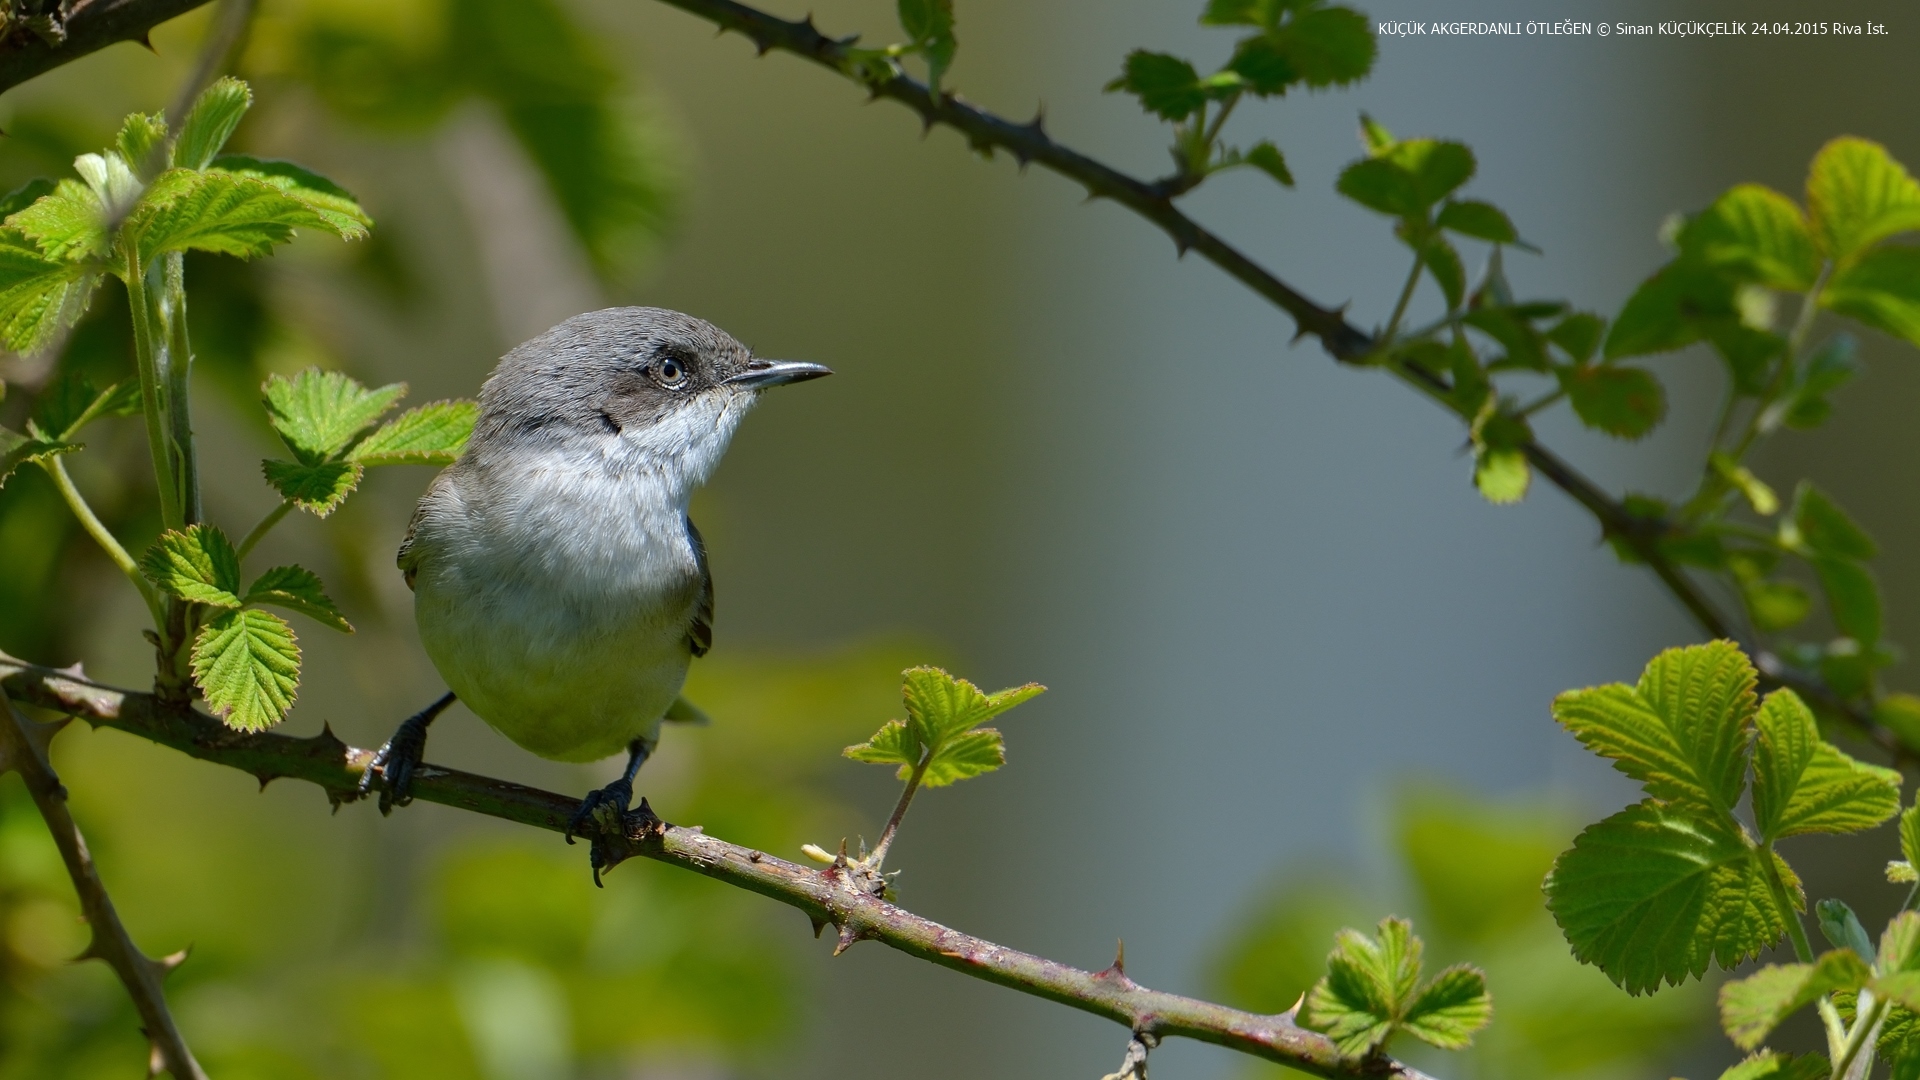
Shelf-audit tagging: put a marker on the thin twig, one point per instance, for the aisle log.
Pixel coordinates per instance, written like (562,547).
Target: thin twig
(825,896)
(23,749)
(879,856)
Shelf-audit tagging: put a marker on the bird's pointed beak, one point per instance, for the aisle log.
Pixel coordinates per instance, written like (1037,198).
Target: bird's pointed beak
(761,374)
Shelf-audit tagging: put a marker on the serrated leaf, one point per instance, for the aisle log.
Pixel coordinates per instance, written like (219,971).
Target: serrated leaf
(893,744)
(1682,731)
(1450,1009)
(1501,474)
(1881,290)
(1443,262)
(297,589)
(1752,1007)
(965,756)
(1825,529)
(1374,136)
(1803,784)
(1901,872)
(17,450)
(1773,1065)
(1166,85)
(1368,985)
(111,180)
(1578,335)
(1409,177)
(319,488)
(67,224)
(1266,157)
(1262,66)
(319,414)
(142,143)
(1239,13)
(210,123)
(247,666)
(1853,597)
(1857,195)
(335,205)
(1671,310)
(929,23)
(1759,235)
(1328,46)
(1910,834)
(1899,944)
(221,212)
(1655,893)
(941,706)
(432,434)
(1480,220)
(1776,605)
(1625,402)
(24,196)
(196,564)
(73,402)
(39,296)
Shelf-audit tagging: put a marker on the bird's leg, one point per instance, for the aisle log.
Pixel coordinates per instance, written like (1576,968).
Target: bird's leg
(604,807)
(397,760)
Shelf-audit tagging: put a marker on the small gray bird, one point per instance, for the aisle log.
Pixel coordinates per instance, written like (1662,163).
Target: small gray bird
(559,586)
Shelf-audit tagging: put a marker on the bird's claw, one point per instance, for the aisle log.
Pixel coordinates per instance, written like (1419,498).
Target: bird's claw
(601,811)
(396,762)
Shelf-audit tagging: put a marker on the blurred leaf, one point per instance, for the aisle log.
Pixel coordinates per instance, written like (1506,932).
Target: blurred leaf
(1825,529)
(1842,929)
(320,414)
(1328,46)
(1266,157)
(1477,867)
(432,434)
(17,450)
(1682,731)
(73,402)
(929,23)
(1803,784)
(210,122)
(1276,953)
(1752,1007)
(1773,1065)
(1776,605)
(247,667)
(297,589)
(1830,368)
(1263,66)
(24,196)
(1758,234)
(1443,262)
(198,564)
(1374,136)
(336,207)
(1241,13)
(320,488)
(1167,86)
(1910,834)
(39,296)
(1501,474)
(140,136)
(1881,290)
(1857,195)
(1853,597)
(1653,894)
(1670,310)
(1764,500)
(1625,402)
(1480,220)
(1409,177)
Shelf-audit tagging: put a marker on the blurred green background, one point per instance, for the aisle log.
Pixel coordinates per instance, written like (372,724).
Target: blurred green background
(1261,587)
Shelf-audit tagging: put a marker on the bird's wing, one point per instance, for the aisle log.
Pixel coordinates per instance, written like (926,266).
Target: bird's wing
(700,634)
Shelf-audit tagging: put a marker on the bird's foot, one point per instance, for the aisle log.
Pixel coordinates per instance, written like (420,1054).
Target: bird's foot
(601,811)
(396,762)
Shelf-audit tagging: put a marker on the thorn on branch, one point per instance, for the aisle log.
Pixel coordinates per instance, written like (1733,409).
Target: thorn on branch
(848,935)
(819,925)
(146,42)
(1133,1066)
(1116,972)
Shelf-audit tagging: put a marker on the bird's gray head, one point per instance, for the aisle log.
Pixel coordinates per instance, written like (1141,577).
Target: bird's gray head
(639,387)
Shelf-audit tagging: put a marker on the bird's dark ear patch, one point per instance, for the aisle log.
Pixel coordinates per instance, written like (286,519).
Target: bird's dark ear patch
(608,422)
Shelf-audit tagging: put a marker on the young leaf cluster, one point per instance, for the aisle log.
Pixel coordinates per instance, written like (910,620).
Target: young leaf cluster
(1656,892)
(331,424)
(1372,991)
(1288,44)
(929,27)
(941,739)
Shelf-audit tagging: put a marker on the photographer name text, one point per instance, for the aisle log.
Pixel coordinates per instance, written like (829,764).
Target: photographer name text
(1579,28)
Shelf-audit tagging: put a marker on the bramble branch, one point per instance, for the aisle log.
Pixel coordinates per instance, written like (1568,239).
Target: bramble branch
(1029,143)
(826,896)
(23,749)
(91,25)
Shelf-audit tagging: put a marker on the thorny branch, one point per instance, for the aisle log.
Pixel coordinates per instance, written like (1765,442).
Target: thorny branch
(23,749)
(825,896)
(87,26)
(1030,144)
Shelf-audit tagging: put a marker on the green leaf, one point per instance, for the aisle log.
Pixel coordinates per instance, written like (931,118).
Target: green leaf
(73,402)
(1881,290)
(930,24)
(39,296)
(1857,195)
(1776,605)
(1773,1065)
(1841,927)
(432,434)
(1910,834)
(1166,85)
(1625,402)
(1480,220)
(965,756)
(1831,367)
(1266,157)
(336,207)
(1853,598)
(1682,731)
(943,714)
(111,179)
(320,414)
(1328,46)
(941,706)
(1900,941)
(1263,66)
(1241,13)
(1825,529)
(1671,310)
(1655,893)
(141,135)
(1443,262)
(320,487)
(68,224)
(17,450)
(1409,177)
(1368,984)
(197,564)
(247,666)
(1374,136)
(1803,784)
(24,196)
(210,123)
(216,211)
(1762,498)
(297,589)
(1760,235)
(894,744)
(1752,1007)
(1501,474)
(1451,1008)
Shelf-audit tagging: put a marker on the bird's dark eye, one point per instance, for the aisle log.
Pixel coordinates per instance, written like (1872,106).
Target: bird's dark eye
(672,371)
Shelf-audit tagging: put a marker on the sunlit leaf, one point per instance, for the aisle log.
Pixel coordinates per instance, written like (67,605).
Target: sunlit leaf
(297,589)
(1857,195)
(66,224)
(39,296)
(73,402)
(210,123)
(319,414)
(1480,220)
(336,207)
(197,564)
(1773,1065)
(247,666)
(1758,234)
(432,434)
(1752,1007)
(1166,85)
(1825,529)
(320,487)
(1881,290)
(217,211)
(1803,784)
(1501,474)
(1368,984)
(142,143)
(1450,1009)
